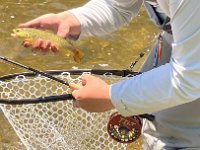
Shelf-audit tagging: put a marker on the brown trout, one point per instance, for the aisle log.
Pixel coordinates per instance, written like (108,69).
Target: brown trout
(31,35)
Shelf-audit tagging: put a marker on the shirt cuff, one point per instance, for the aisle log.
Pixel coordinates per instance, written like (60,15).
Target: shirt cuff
(77,12)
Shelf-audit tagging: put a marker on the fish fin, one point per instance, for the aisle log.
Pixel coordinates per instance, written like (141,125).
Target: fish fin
(29,40)
(78,55)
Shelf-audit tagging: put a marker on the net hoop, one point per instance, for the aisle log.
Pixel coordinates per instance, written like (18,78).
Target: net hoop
(55,125)
(63,97)
(121,73)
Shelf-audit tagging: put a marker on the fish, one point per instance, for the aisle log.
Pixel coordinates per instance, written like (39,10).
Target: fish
(30,35)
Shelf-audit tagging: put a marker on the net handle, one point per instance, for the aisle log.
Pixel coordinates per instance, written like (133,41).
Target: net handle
(44,99)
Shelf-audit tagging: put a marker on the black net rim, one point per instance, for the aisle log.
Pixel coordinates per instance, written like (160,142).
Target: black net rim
(122,73)
(64,97)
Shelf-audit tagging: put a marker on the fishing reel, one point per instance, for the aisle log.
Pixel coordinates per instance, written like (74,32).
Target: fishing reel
(124,129)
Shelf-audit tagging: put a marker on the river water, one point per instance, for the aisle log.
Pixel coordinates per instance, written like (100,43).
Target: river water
(113,51)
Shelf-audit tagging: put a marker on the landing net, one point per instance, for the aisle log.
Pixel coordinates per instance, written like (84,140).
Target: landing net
(54,125)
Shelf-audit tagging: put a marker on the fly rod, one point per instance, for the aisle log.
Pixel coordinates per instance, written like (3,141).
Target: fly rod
(34,70)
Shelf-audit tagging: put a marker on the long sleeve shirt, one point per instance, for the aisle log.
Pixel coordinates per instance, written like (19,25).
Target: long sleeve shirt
(175,83)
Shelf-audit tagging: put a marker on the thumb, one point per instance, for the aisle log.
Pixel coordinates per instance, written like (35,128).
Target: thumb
(33,23)
(76,94)
(74,86)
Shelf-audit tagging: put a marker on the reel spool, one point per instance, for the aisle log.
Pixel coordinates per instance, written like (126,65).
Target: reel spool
(124,129)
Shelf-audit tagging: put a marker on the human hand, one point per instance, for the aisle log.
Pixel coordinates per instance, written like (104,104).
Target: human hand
(92,95)
(63,24)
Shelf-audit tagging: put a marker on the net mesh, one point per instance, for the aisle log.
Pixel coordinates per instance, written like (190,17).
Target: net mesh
(54,125)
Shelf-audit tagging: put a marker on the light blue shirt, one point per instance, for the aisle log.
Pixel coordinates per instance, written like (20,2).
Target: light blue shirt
(176,83)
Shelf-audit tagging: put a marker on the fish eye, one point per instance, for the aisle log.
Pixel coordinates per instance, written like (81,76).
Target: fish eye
(17,30)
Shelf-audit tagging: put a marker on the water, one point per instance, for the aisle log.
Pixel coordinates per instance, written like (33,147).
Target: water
(113,51)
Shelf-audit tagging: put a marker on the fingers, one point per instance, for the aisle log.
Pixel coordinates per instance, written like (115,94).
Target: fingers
(79,91)
(38,44)
(76,90)
(92,95)
(76,94)
(41,45)
(74,86)
(35,23)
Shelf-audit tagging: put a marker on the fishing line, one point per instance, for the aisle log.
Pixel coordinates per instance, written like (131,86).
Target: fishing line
(34,70)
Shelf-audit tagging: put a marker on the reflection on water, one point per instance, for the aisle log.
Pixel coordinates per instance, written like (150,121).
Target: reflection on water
(114,51)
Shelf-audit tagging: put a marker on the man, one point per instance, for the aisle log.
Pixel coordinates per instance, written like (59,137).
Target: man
(170,91)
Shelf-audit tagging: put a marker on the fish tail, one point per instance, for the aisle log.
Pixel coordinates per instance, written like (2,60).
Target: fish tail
(78,55)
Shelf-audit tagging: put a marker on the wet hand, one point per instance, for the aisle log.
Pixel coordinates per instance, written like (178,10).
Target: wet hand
(63,24)
(92,95)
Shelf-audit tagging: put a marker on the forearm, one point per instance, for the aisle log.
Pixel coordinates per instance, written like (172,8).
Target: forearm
(99,17)
(145,93)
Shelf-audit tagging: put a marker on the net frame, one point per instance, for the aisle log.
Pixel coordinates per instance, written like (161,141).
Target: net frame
(14,105)
(44,99)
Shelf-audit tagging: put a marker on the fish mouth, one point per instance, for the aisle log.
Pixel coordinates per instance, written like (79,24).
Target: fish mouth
(13,34)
